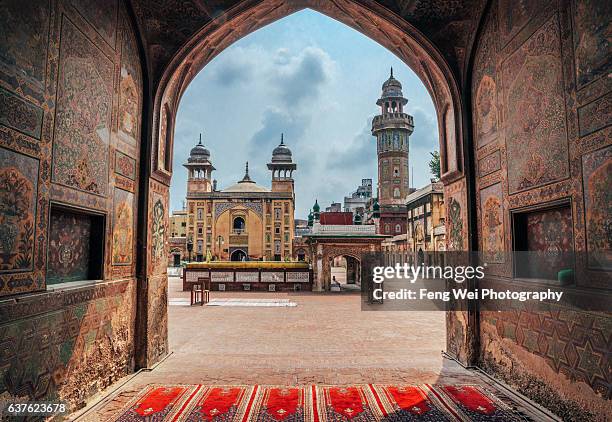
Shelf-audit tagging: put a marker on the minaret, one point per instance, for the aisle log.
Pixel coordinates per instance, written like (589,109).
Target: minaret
(392,129)
(282,168)
(199,169)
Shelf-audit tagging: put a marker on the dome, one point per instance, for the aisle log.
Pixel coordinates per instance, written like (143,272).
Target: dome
(199,153)
(246,184)
(316,207)
(281,153)
(243,186)
(392,88)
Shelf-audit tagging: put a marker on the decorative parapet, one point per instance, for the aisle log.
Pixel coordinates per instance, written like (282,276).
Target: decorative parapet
(337,229)
(254,265)
(392,120)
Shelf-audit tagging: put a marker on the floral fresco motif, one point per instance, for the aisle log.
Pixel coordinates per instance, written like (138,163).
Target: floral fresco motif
(125,165)
(102,15)
(549,233)
(24,39)
(597,174)
(550,230)
(593,54)
(80,150)
(129,90)
(20,114)
(535,105)
(69,246)
(486,110)
(455,225)
(489,164)
(492,223)
(123,227)
(18,189)
(514,15)
(158,231)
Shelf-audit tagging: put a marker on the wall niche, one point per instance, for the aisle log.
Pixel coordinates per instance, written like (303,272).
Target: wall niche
(544,243)
(76,246)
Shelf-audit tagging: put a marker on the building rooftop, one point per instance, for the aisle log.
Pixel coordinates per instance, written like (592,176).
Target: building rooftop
(436,187)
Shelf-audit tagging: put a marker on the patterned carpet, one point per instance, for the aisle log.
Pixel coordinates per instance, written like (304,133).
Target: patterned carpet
(320,403)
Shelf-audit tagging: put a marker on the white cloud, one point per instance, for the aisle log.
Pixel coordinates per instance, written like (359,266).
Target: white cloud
(282,79)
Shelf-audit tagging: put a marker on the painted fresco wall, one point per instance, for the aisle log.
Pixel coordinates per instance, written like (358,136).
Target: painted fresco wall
(541,123)
(70,110)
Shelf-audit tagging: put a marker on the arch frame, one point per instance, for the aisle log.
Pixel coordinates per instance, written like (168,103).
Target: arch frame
(371,19)
(366,16)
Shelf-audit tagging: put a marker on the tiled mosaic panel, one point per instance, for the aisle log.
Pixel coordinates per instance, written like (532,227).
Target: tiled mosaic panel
(70,237)
(24,40)
(82,125)
(102,15)
(597,185)
(18,191)
(536,136)
(125,165)
(484,90)
(130,97)
(593,51)
(575,344)
(19,114)
(75,347)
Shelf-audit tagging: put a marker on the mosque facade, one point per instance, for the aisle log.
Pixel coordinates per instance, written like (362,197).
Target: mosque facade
(244,221)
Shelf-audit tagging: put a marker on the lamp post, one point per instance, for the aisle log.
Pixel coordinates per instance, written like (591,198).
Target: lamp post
(220,242)
(190,246)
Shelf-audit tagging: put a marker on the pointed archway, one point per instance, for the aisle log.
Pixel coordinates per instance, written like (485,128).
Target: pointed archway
(373,21)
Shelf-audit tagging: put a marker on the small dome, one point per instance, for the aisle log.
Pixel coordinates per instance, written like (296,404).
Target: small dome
(376,205)
(199,153)
(281,153)
(392,88)
(316,207)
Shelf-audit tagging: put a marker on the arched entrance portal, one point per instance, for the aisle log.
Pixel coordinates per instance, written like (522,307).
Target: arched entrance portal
(374,21)
(346,270)
(238,255)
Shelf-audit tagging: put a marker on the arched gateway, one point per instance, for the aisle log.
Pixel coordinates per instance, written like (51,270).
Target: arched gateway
(376,22)
(88,99)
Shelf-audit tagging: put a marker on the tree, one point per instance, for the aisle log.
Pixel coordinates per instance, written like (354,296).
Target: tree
(434,164)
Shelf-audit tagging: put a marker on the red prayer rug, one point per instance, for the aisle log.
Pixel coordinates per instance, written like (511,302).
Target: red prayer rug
(155,403)
(217,404)
(282,404)
(318,403)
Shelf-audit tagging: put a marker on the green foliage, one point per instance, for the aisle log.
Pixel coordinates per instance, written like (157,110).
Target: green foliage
(434,164)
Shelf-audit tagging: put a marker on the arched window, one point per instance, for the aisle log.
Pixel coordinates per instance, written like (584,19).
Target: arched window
(398,228)
(396,192)
(239,225)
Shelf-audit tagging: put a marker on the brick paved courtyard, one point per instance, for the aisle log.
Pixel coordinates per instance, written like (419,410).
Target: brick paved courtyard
(325,339)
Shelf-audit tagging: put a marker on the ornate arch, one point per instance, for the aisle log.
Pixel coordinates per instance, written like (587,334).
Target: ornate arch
(374,21)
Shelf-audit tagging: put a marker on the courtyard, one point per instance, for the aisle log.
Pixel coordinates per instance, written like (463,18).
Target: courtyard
(326,339)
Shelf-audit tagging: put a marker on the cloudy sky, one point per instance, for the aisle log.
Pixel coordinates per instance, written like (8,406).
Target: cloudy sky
(317,81)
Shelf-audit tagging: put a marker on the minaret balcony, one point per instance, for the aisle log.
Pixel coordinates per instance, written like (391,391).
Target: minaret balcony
(393,121)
